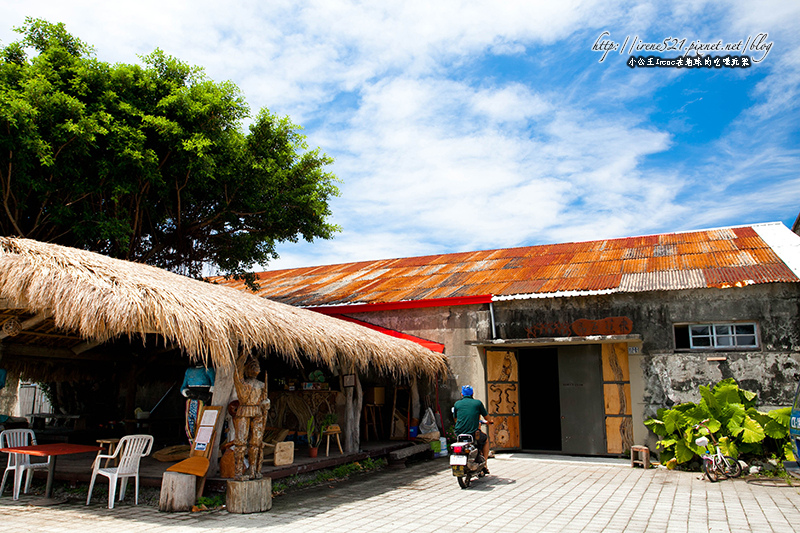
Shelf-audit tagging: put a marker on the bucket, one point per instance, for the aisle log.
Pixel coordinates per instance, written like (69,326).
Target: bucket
(413,431)
(443,445)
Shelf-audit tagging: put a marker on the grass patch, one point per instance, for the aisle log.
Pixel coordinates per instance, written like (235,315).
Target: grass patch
(339,473)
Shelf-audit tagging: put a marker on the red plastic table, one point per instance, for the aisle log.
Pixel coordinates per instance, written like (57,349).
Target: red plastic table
(48,450)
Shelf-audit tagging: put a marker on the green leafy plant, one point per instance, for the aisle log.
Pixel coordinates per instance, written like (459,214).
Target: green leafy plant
(315,430)
(740,428)
(211,502)
(327,421)
(450,434)
(313,433)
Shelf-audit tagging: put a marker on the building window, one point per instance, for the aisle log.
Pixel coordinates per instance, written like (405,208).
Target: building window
(716,336)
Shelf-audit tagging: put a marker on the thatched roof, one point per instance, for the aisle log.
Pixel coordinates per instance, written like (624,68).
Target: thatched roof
(100,299)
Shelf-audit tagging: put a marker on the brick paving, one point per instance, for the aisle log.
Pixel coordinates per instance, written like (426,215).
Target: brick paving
(525,493)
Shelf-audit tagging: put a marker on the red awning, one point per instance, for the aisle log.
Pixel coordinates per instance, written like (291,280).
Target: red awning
(433,346)
(405,304)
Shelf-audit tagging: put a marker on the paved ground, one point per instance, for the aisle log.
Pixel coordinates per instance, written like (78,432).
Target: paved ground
(524,493)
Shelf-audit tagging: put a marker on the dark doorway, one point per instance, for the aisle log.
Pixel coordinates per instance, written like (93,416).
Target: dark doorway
(540,405)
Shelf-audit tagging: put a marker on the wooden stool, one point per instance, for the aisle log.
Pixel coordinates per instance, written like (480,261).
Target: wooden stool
(640,455)
(332,430)
(111,444)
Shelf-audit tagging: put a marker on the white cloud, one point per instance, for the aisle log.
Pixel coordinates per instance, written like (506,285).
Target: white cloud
(437,157)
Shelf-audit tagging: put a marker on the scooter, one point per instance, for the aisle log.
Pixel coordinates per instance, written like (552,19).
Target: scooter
(466,460)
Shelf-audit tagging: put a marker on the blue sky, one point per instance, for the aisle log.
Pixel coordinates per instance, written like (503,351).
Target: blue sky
(461,126)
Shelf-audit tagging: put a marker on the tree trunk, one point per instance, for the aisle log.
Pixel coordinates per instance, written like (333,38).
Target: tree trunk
(178,492)
(254,496)
(352,412)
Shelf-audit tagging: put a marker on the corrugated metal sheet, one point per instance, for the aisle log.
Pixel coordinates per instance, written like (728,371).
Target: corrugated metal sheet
(727,257)
(664,280)
(694,261)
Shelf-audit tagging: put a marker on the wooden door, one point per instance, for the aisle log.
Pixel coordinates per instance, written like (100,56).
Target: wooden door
(581,399)
(617,394)
(503,390)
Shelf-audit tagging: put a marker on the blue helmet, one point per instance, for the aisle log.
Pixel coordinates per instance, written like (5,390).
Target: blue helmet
(466,390)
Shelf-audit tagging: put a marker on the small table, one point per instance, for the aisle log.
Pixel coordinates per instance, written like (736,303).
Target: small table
(333,429)
(48,450)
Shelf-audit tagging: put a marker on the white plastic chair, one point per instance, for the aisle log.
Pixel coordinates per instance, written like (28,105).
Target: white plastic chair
(19,463)
(129,450)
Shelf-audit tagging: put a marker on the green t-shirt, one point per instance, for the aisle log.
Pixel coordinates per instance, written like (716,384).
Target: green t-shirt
(468,413)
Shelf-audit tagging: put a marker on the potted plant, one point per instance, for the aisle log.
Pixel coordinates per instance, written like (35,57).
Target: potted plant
(314,435)
(328,422)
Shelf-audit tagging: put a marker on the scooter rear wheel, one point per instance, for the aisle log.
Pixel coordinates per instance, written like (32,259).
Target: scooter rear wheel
(464,481)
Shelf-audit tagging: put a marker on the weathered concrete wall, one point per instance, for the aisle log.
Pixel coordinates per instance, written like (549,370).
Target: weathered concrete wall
(670,376)
(673,378)
(774,307)
(660,376)
(451,326)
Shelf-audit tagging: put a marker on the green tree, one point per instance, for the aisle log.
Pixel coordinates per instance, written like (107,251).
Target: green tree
(149,162)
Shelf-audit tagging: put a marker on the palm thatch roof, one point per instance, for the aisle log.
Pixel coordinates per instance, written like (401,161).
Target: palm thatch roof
(100,298)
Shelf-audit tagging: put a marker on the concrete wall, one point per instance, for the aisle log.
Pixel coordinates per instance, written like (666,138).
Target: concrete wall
(451,326)
(667,376)
(660,375)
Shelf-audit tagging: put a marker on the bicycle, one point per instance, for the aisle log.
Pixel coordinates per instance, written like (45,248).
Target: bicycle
(716,464)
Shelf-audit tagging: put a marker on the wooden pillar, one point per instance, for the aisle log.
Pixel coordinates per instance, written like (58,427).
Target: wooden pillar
(223,394)
(415,403)
(353,398)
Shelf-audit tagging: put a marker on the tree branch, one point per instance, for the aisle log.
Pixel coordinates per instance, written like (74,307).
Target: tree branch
(64,146)
(7,192)
(164,161)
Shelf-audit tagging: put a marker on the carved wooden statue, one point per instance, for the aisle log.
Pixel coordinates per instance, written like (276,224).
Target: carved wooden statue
(250,418)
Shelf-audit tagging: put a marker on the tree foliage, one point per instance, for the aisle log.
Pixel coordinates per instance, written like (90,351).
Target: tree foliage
(148,162)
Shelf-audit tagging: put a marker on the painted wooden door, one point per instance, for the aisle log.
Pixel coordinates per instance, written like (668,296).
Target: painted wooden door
(503,390)
(617,394)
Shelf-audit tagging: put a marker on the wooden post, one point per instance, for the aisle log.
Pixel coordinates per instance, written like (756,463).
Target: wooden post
(223,392)
(254,496)
(353,397)
(415,402)
(178,492)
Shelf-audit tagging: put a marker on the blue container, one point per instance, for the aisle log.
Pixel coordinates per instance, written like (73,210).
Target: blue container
(413,431)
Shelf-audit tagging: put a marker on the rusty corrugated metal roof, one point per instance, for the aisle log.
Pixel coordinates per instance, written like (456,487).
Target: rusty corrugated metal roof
(725,257)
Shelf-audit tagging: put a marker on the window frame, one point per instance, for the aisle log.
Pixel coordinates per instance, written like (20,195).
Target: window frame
(716,335)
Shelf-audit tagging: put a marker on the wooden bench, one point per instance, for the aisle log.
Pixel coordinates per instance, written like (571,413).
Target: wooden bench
(397,458)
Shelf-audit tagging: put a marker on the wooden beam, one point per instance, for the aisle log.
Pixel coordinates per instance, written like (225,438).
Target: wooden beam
(51,335)
(27,324)
(36,351)
(85,347)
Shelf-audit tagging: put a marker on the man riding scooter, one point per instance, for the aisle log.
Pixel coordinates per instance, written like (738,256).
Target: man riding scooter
(467,413)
